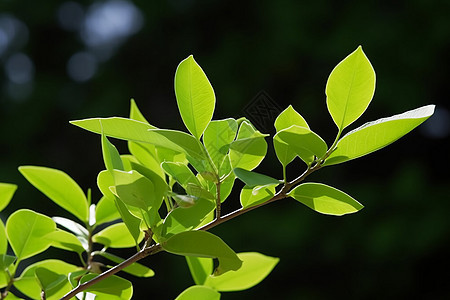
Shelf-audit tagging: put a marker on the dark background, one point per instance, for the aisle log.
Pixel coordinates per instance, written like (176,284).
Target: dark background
(61,61)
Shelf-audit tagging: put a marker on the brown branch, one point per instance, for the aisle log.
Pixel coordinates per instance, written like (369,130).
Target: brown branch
(138,256)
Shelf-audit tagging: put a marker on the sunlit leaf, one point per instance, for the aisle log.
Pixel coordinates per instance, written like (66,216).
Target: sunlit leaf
(325,199)
(255,267)
(116,127)
(26,230)
(3,238)
(195,96)
(181,219)
(253,179)
(6,262)
(289,117)
(65,240)
(203,244)
(106,211)
(180,172)
(200,268)
(249,148)
(49,281)
(111,156)
(112,287)
(134,189)
(251,196)
(375,135)
(217,139)
(116,236)
(350,88)
(76,228)
(135,269)
(135,113)
(300,140)
(7,191)
(146,155)
(60,188)
(28,285)
(198,292)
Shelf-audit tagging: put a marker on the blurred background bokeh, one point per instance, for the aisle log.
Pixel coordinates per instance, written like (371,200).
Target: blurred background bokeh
(65,60)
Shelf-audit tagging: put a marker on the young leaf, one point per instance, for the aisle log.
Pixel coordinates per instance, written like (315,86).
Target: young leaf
(146,155)
(3,238)
(104,181)
(195,96)
(289,117)
(198,292)
(26,230)
(203,244)
(119,128)
(251,196)
(135,269)
(106,211)
(255,267)
(249,148)
(6,261)
(200,268)
(325,199)
(217,139)
(301,141)
(116,236)
(49,281)
(65,240)
(377,134)
(111,156)
(181,173)
(182,219)
(135,113)
(28,285)
(253,179)
(134,189)
(112,287)
(76,228)
(60,188)
(350,88)
(7,191)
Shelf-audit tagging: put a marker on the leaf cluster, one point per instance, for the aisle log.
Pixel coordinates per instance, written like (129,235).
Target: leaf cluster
(167,192)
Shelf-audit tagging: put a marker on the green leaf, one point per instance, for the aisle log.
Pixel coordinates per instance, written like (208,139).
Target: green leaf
(26,230)
(200,268)
(65,240)
(251,196)
(11,296)
(203,244)
(60,188)
(146,155)
(253,179)
(116,236)
(135,269)
(104,181)
(181,173)
(7,191)
(111,156)
(76,228)
(325,199)
(302,141)
(217,139)
(49,281)
(106,211)
(198,292)
(134,189)
(116,127)
(182,219)
(249,148)
(289,117)
(255,267)
(375,135)
(195,96)
(350,88)
(3,238)
(110,288)
(6,261)
(28,285)
(135,113)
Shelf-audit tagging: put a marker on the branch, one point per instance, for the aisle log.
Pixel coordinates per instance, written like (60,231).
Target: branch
(138,256)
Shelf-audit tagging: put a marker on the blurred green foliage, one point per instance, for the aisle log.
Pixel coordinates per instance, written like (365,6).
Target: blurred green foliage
(393,249)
